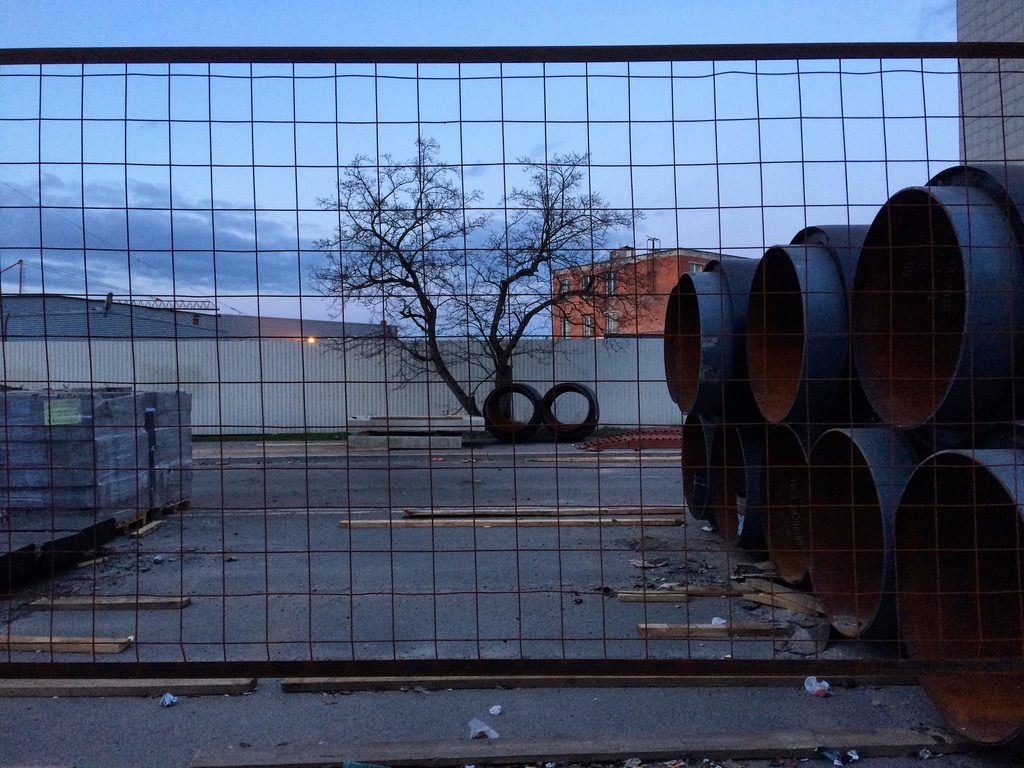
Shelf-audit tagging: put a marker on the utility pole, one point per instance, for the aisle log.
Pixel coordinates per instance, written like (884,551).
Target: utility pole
(20,264)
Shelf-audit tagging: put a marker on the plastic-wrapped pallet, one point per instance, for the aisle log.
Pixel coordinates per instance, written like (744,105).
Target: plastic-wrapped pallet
(172,445)
(94,450)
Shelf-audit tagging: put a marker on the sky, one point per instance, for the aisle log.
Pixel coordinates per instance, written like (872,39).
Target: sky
(55,23)
(188,181)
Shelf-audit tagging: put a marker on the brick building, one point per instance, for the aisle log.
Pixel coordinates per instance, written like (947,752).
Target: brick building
(622,296)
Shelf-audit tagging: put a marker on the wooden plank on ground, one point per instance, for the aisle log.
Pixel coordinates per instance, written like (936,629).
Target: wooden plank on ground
(710,631)
(733,744)
(653,596)
(148,528)
(508,522)
(64,644)
(646,454)
(131,518)
(111,603)
(125,687)
(458,512)
(768,593)
(679,594)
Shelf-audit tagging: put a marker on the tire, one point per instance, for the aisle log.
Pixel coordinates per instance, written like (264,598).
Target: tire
(569,432)
(505,428)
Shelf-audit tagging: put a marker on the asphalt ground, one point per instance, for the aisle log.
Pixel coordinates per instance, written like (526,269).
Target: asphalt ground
(272,574)
(274,570)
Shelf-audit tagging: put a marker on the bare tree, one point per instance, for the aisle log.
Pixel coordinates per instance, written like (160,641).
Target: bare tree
(409,246)
(555,223)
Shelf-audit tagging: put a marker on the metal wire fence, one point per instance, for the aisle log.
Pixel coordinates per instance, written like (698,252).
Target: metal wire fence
(630,363)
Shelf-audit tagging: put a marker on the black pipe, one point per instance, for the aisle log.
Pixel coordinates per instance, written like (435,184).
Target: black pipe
(705,353)
(698,437)
(959,575)
(798,349)
(785,500)
(938,310)
(737,461)
(857,476)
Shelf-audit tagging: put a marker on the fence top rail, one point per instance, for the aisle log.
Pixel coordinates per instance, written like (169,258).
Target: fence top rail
(511,54)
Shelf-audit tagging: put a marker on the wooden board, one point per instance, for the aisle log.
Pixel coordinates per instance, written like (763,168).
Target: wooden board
(768,593)
(706,631)
(508,522)
(653,596)
(604,457)
(458,512)
(111,603)
(132,518)
(125,687)
(756,590)
(148,528)
(64,644)
(680,594)
(762,744)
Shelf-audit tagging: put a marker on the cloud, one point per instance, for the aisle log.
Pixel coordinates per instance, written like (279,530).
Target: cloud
(148,248)
(937,20)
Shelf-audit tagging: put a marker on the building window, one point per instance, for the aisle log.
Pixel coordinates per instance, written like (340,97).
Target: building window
(588,284)
(696,266)
(611,323)
(566,327)
(588,325)
(611,282)
(563,286)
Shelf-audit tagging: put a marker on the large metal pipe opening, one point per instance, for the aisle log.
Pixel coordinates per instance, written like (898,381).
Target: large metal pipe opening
(775,335)
(737,460)
(798,350)
(512,412)
(698,437)
(564,420)
(797,344)
(960,585)
(682,344)
(937,308)
(785,501)
(705,356)
(857,477)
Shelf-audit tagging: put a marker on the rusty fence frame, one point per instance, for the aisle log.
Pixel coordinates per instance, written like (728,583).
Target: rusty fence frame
(527,671)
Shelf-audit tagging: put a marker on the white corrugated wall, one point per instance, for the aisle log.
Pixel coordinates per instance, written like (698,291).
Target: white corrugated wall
(253,386)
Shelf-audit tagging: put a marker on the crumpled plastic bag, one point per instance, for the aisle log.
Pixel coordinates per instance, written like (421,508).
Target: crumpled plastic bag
(478,729)
(816,687)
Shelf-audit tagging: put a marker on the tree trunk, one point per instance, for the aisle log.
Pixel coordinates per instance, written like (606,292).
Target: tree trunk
(465,399)
(503,377)
(503,373)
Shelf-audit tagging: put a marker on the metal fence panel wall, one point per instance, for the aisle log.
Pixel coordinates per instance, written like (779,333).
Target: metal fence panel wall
(631,363)
(256,386)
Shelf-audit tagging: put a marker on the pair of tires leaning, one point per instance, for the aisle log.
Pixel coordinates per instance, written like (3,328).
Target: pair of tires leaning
(500,418)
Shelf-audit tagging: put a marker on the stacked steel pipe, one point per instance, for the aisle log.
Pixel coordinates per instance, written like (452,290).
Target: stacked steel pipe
(849,404)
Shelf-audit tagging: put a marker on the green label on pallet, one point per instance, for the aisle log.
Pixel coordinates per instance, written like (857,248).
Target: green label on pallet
(62,412)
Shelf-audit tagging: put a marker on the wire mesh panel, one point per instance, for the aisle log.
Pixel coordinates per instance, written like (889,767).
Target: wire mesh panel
(654,362)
